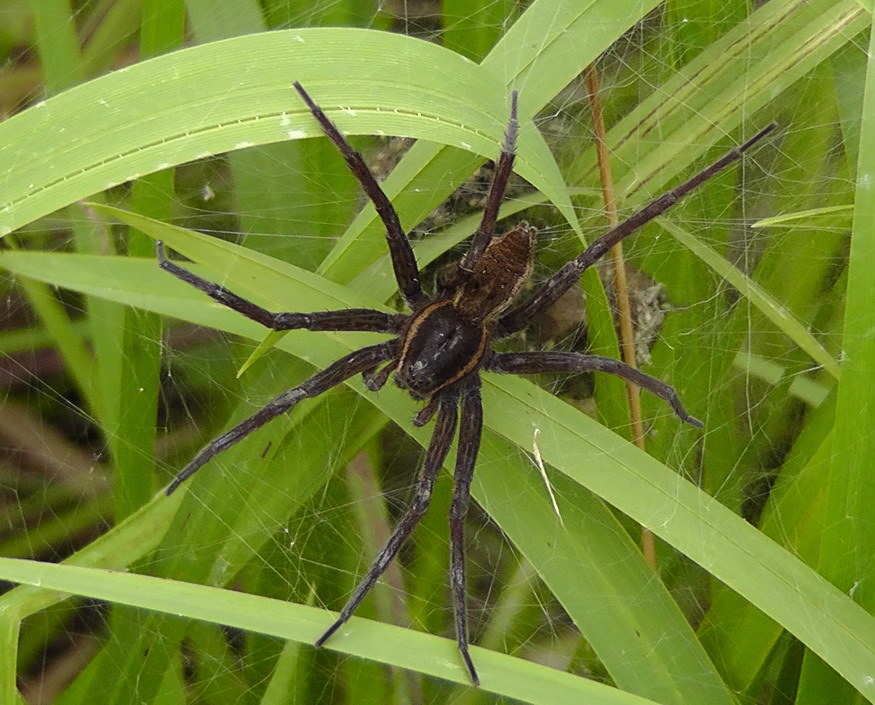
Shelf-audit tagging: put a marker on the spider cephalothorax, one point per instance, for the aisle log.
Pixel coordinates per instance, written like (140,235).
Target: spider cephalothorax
(438,350)
(447,340)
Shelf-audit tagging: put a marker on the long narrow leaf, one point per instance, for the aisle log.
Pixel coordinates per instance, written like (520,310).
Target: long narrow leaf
(508,676)
(182,106)
(727,546)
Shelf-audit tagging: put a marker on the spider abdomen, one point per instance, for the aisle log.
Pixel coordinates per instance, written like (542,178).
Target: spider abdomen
(438,348)
(497,275)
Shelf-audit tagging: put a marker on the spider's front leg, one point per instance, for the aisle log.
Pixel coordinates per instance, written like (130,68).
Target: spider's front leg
(400,250)
(438,447)
(503,169)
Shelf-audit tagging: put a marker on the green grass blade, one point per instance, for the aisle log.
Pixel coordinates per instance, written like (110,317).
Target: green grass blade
(129,365)
(694,523)
(58,44)
(508,676)
(129,541)
(848,531)
(741,636)
(10,632)
(829,212)
(178,107)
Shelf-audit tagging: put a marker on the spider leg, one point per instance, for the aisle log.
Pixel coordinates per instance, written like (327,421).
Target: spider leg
(534,362)
(445,428)
(344,368)
(470,433)
(403,260)
(485,231)
(550,291)
(354,319)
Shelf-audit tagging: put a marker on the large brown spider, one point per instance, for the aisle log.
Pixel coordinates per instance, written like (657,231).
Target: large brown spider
(439,349)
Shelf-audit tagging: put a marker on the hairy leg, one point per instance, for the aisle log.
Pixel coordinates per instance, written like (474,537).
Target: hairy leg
(347,366)
(503,168)
(442,438)
(403,261)
(550,291)
(352,319)
(470,433)
(534,362)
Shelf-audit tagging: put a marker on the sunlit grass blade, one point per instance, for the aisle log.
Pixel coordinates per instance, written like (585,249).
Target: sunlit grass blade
(267,343)
(848,533)
(521,680)
(770,577)
(177,107)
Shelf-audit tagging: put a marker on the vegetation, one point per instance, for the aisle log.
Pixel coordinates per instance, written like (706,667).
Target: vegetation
(114,378)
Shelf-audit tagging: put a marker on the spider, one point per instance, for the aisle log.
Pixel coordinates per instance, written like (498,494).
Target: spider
(439,349)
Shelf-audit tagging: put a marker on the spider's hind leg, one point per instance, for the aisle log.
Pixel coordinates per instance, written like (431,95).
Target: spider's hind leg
(403,260)
(470,434)
(503,169)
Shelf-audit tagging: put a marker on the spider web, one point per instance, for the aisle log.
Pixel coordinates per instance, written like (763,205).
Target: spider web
(341,473)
